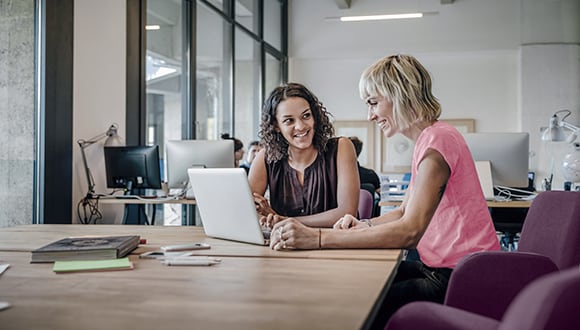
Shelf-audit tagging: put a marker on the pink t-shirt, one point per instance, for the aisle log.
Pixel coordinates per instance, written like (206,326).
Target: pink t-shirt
(462,223)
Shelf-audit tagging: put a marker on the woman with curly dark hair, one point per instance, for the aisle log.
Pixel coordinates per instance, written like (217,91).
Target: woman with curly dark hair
(310,175)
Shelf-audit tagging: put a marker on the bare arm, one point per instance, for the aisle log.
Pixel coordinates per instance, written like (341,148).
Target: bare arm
(258,179)
(405,232)
(257,176)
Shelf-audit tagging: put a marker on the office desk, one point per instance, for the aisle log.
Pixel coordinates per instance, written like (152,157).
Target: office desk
(120,201)
(506,204)
(135,207)
(266,289)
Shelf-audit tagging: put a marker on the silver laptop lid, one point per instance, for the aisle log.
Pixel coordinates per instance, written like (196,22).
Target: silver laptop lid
(225,204)
(485,179)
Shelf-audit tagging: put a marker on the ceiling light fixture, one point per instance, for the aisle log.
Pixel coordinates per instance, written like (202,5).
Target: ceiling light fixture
(380,17)
(152,27)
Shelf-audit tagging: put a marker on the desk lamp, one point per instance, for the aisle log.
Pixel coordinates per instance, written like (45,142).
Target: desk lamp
(555,132)
(112,139)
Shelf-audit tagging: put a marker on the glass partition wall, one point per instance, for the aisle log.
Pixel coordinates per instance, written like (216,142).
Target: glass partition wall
(208,67)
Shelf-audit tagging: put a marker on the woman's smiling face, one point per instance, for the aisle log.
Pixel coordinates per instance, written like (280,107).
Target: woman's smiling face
(295,122)
(381,111)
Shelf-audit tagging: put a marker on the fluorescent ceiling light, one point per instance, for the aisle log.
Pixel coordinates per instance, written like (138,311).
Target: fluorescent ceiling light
(152,27)
(379,17)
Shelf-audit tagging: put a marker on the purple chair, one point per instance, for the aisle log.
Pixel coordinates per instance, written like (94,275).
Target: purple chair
(365,204)
(485,283)
(553,228)
(549,302)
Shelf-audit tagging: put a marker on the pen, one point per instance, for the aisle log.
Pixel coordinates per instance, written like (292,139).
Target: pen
(191,261)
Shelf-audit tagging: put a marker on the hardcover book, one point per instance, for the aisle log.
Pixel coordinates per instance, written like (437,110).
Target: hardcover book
(86,248)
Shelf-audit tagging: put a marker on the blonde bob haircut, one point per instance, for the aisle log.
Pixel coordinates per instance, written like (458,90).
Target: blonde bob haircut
(405,82)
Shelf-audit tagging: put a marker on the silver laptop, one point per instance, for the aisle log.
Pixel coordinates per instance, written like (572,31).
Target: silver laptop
(226,204)
(485,179)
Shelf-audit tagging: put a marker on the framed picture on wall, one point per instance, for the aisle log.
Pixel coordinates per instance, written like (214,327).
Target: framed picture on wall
(365,131)
(462,125)
(396,154)
(397,151)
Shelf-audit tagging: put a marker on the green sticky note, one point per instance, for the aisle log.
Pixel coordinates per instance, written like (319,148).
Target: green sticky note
(92,265)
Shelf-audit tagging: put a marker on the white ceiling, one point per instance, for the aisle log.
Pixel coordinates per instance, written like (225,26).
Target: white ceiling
(464,25)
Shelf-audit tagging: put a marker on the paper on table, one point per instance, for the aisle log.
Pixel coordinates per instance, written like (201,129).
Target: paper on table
(92,265)
(3,267)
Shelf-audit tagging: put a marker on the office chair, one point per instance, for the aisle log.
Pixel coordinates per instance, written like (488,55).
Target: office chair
(549,302)
(483,283)
(509,222)
(486,282)
(365,204)
(371,189)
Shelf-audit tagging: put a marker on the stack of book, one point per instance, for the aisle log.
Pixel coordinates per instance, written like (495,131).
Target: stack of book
(86,248)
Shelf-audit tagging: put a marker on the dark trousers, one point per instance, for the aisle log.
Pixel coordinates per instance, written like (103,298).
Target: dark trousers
(414,281)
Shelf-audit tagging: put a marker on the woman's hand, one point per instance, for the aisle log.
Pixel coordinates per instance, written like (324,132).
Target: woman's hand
(262,205)
(270,220)
(348,221)
(292,234)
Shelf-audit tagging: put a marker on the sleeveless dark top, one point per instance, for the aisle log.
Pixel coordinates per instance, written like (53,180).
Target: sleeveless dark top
(319,193)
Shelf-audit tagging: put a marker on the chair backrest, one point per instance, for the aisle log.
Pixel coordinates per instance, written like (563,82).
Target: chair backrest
(550,302)
(470,290)
(365,204)
(552,227)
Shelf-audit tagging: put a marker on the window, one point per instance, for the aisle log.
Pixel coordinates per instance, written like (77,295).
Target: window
(246,87)
(213,113)
(208,68)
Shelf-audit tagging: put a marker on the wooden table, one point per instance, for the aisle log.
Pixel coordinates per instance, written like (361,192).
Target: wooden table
(253,288)
(506,204)
(28,238)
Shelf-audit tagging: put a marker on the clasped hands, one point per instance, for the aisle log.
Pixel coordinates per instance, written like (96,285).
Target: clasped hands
(289,233)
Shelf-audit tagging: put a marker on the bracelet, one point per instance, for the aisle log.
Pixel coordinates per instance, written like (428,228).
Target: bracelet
(319,238)
(369,222)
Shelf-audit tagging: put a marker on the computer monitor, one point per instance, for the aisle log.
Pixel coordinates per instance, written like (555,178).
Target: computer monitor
(508,154)
(133,167)
(184,154)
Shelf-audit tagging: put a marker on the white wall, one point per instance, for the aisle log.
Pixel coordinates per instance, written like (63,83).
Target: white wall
(473,49)
(484,79)
(99,89)
(550,82)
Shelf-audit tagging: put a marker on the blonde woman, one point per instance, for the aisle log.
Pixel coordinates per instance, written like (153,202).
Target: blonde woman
(443,215)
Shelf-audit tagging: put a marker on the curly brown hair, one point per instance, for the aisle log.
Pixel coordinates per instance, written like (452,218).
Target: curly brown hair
(275,144)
